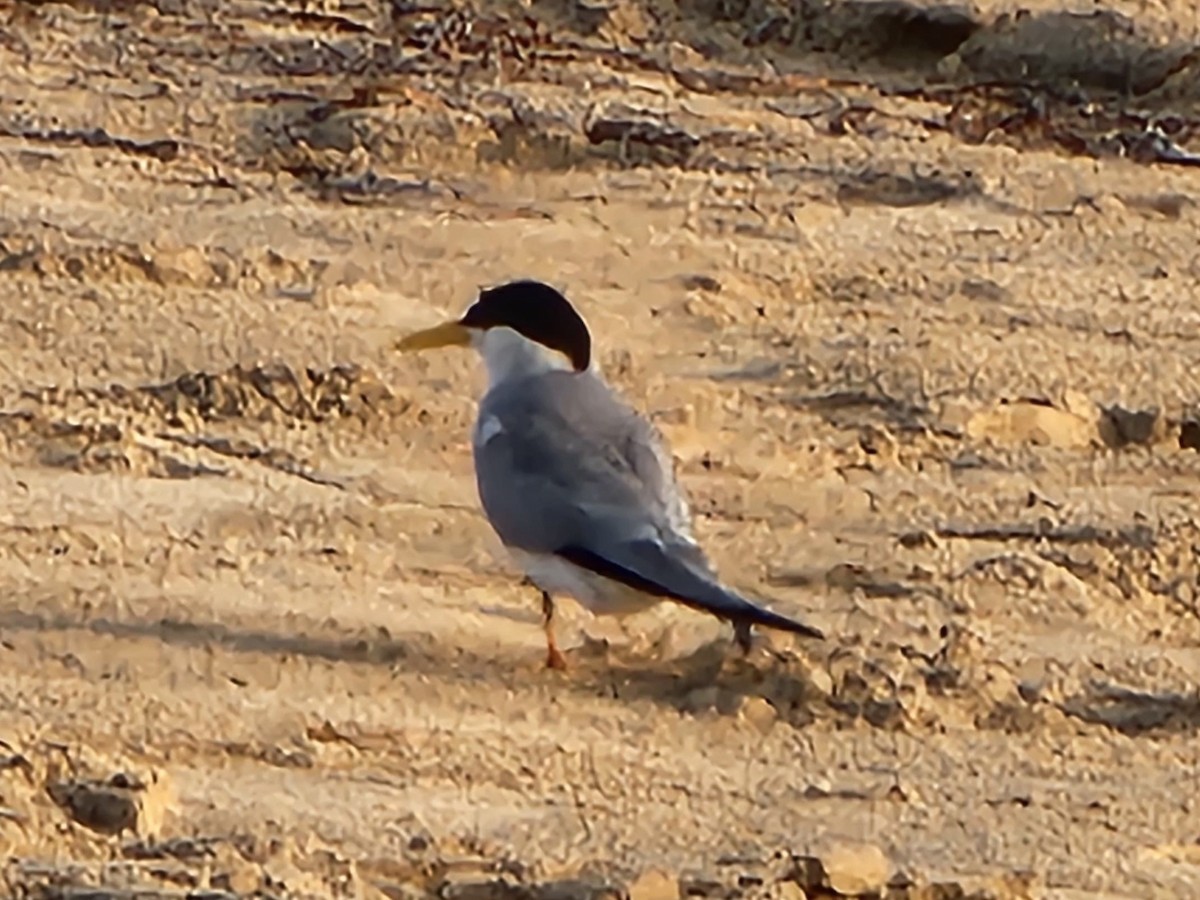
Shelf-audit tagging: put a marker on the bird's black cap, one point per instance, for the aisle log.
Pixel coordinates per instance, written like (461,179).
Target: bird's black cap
(538,312)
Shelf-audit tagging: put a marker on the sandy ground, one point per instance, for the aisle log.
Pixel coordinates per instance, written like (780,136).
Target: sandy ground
(912,292)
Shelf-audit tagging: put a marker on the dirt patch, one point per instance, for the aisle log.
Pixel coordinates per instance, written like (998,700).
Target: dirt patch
(909,287)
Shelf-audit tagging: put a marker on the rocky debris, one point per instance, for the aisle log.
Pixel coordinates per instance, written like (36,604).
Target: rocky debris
(638,134)
(853,870)
(134,805)
(848,869)
(50,253)
(37,795)
(36,885)
(152,429)
(1076,423)
(267,391)
(891,688)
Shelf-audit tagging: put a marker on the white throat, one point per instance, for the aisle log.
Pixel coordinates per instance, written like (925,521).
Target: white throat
(508,354)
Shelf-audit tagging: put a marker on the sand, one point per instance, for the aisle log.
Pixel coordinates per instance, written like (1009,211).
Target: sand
(911,290)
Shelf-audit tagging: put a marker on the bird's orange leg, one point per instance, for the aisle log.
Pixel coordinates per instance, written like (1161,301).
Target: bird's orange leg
(554,657)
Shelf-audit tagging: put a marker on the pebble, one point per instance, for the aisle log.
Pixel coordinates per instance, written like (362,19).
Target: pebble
(852,869)
(655,884)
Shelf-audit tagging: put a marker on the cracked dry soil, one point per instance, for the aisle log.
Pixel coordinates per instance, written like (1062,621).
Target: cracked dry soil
(911,289)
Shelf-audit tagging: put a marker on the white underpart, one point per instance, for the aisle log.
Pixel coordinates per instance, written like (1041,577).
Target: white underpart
(508,354)
(599,595)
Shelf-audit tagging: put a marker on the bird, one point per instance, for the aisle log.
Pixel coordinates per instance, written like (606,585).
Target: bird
(578,486)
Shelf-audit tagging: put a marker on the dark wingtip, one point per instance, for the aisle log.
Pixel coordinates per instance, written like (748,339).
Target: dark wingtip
(742,615)
(768,619)
(742,626)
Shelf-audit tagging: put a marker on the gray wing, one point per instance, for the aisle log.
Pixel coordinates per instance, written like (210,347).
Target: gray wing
(555,451)
(651,461)
(566,469)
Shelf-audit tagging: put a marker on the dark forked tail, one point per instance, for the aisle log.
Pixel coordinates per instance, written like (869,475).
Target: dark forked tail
(645,566)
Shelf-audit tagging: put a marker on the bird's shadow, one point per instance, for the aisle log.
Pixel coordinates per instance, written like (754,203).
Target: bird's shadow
(716,678)
(710,679)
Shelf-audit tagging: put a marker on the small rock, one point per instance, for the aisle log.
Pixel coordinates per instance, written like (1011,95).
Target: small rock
(852,869)
(181,265)
(821,680)
(712,312)
(655,884)
(818,787)
(759,713)
(1031,691)
(240,877)
(878,441)
(808,872)
(1027,422)
(121,803)
(700,282)
(103,809)
(1122,427)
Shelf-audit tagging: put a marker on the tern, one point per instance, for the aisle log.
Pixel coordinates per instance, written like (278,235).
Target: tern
(579,488)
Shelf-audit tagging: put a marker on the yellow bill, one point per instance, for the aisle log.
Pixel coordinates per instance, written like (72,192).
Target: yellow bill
(448,334)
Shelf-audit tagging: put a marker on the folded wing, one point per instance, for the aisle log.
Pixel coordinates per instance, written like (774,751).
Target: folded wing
(558,476)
